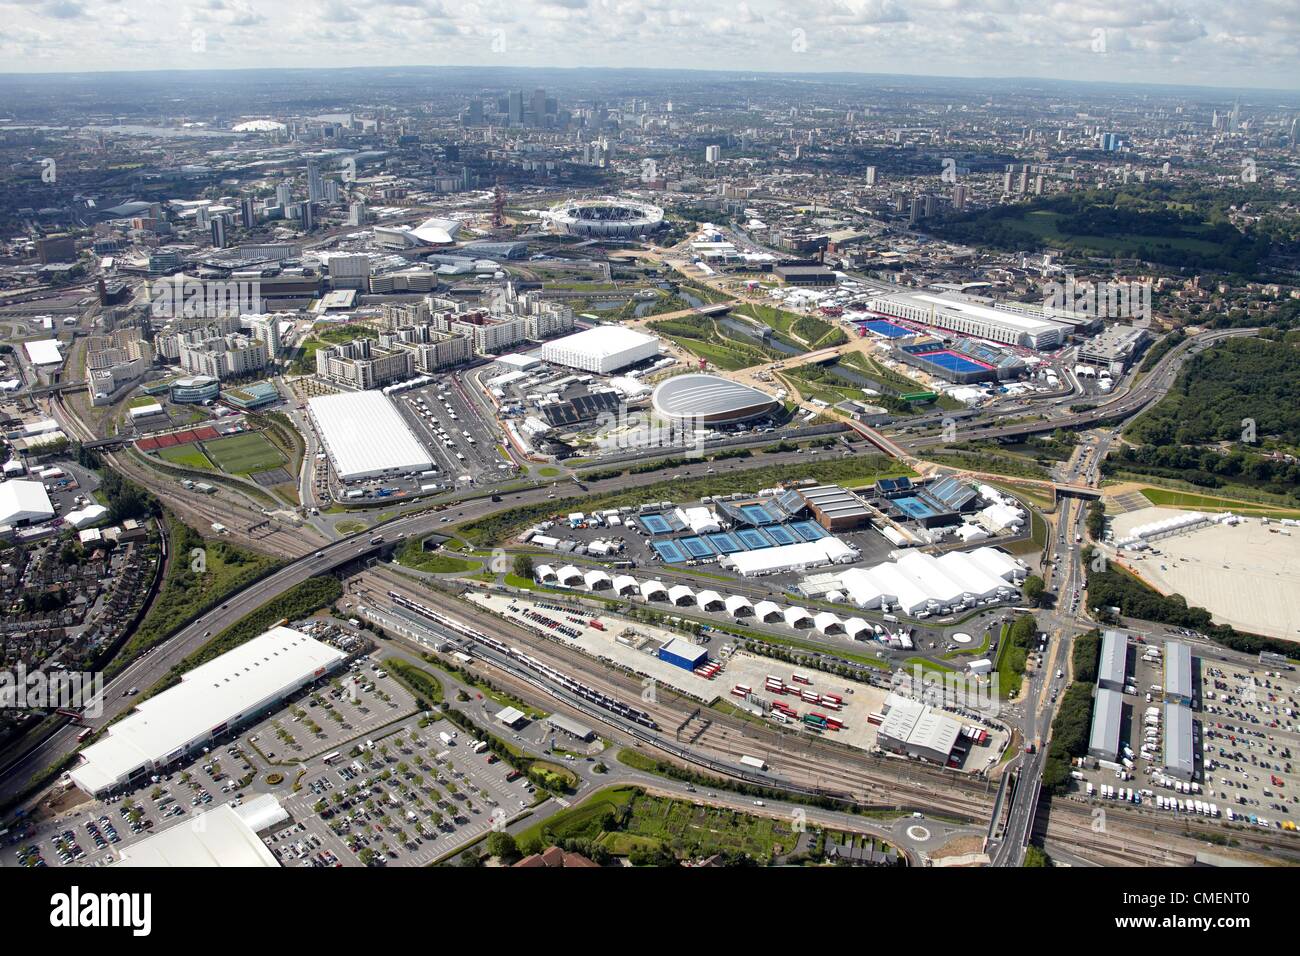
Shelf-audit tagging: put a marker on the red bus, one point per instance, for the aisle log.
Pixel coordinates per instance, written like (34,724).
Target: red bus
(800,679)
(85,735)
(740,690)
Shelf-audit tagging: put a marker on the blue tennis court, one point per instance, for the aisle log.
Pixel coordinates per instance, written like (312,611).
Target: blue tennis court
(696,547)
(914,507)
(809,530)
(757,514)
(887,329)
(753,539)
(953,362)
(668,550)
(780,534)
(724,543)
(655,524)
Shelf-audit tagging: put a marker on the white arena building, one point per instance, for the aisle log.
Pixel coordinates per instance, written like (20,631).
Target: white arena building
(605,216)
(967,317)
(214,697)
(366,437)
(603,349)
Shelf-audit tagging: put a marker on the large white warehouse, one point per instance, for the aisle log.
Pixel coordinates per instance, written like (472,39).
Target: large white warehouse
(24,502)
(214,697)
(365,436)
(603,349)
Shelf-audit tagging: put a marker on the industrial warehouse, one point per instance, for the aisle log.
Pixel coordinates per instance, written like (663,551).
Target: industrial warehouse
(365,437)
(210,700)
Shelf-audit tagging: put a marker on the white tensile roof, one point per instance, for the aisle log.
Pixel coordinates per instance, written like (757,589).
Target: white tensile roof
(765,609)
(705,598)
(826,621)
(791,557)
(738,603)
(624,582)
(794,615)
(568,573)
(680,592)
(592,578)
(854,626)
(653,587)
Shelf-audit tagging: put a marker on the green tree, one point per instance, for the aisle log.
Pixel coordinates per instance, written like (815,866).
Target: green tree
(1033,590)
(523,566)
(502,845)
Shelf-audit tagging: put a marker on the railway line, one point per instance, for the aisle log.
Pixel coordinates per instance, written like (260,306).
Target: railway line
(1153,840)
(812,765)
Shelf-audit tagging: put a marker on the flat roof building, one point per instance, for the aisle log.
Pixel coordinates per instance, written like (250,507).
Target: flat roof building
(917,730)
(365,437)
(571,727)
(683,654)
(1180,747)
(211,699)
(1178,673)
(1112,668)
(1107,717)
(835,508)
(225,836)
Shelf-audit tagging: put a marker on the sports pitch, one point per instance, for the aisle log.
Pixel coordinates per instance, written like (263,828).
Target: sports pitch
(188,454)
(244,454)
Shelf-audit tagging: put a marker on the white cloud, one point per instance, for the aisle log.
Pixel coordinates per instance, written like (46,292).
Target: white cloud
(1217,42)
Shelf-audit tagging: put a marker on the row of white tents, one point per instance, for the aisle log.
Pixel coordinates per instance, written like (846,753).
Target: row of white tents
(679,595)
(921,584)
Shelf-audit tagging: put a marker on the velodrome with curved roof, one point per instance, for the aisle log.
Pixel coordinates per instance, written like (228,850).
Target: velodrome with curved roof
(711,399)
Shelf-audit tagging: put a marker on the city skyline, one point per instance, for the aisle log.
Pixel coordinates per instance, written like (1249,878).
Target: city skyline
(1232,45)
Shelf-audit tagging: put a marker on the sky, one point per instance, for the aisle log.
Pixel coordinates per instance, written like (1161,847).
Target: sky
(1225,43)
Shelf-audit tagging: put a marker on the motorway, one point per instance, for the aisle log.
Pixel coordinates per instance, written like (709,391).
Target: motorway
(1068,574)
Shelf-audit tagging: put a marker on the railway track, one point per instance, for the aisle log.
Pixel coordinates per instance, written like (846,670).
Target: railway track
(857,775)
(1147,840)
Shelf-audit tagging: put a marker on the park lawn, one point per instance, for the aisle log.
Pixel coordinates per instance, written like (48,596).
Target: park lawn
(1009,679)
(725,358)
(1165,498)
(583,820)
(414,556)
(244,454)
(549,472)
(622,844)
(189,455)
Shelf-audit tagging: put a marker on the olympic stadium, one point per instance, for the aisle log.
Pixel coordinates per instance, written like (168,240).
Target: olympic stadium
(711,400)
(606,217)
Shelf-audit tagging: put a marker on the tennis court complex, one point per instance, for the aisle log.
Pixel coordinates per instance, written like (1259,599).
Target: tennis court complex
(655,524)
(708,546)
